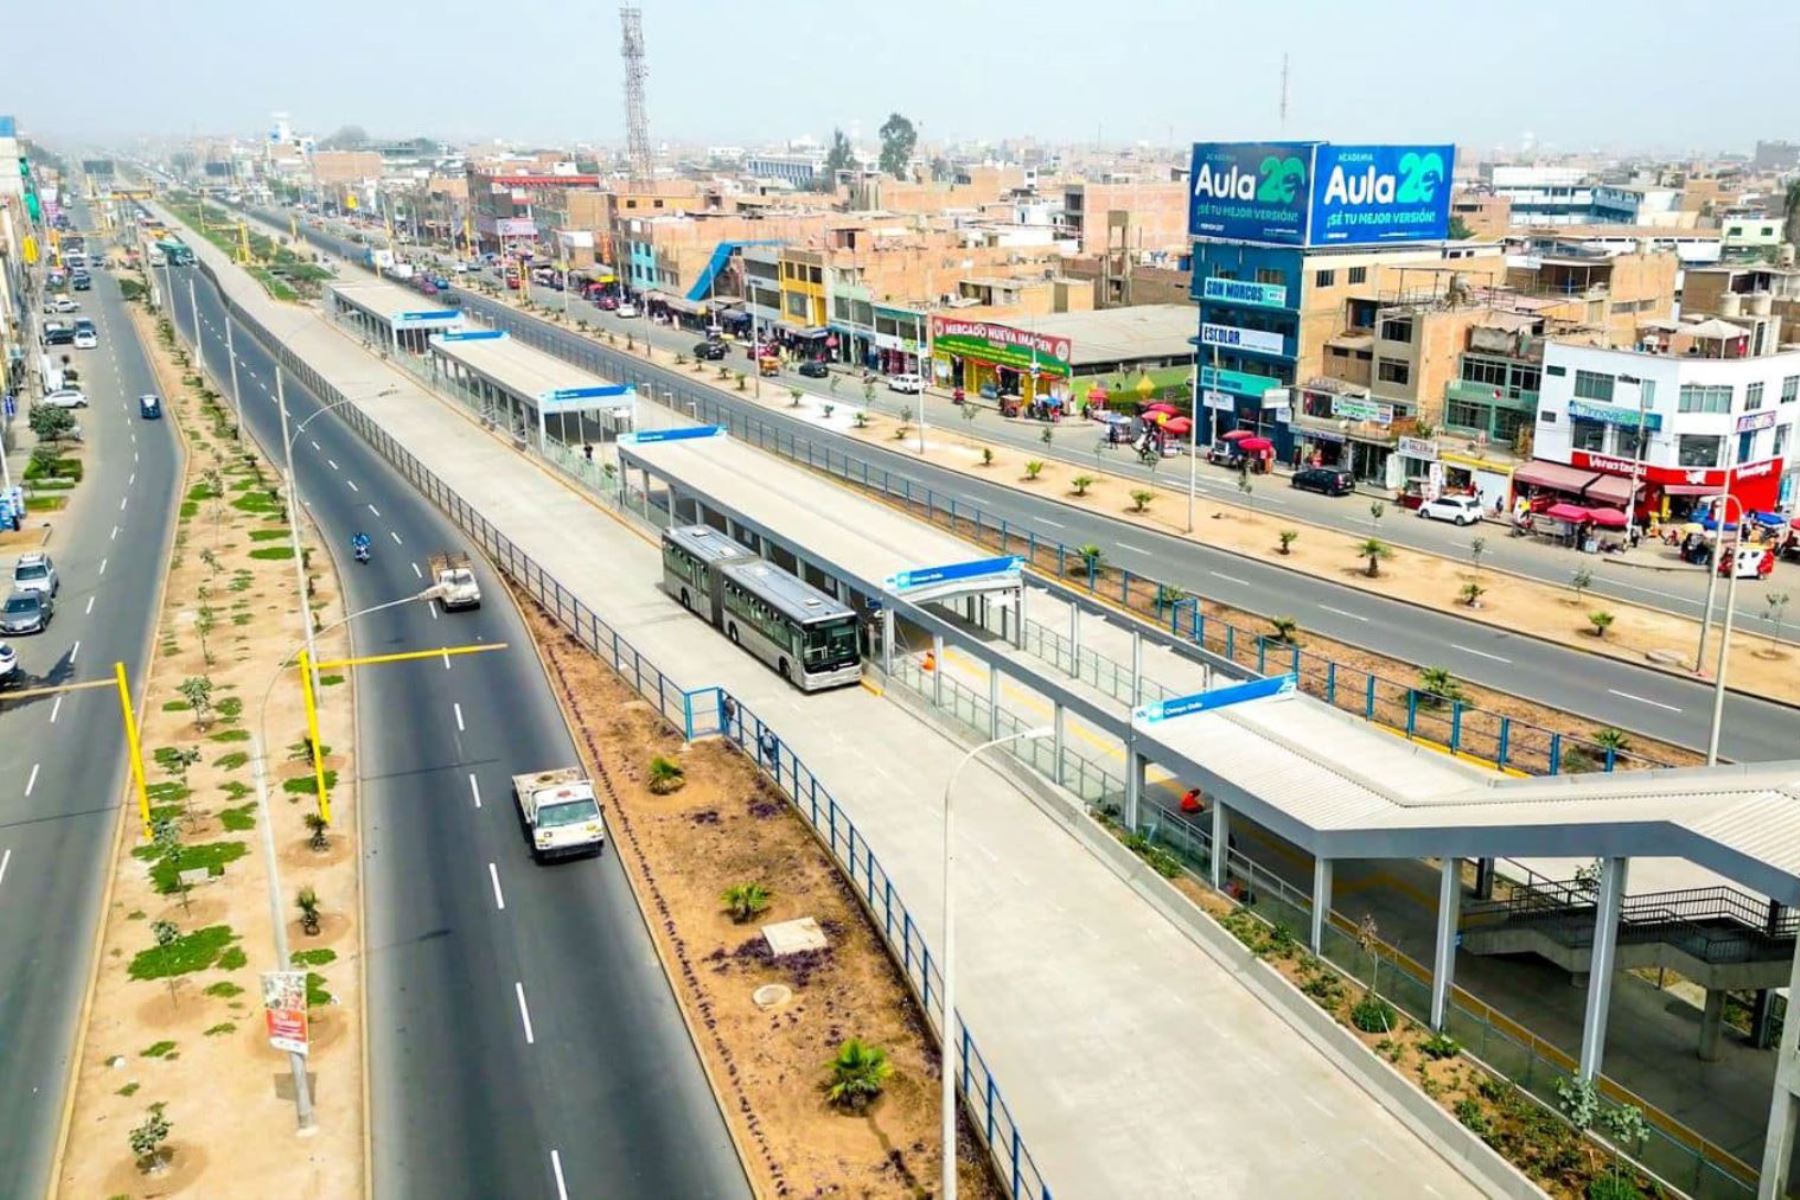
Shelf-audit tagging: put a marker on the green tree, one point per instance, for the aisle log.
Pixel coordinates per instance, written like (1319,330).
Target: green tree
(858,1074)
(745,901)
(1459,230)
(1285,629)
(1374,550)
(51,424)
(1472,593)
(1601,620)
(1287,537)
(147,1140)
(1777,606)
(1081,483)
(1437,687)
(1581,581)
(197,691)
(1141,498)
(347,137)
(898,139)
(839,158)
(1033,468)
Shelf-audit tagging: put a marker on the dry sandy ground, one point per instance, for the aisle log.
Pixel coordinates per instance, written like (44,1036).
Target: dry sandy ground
(196,1043)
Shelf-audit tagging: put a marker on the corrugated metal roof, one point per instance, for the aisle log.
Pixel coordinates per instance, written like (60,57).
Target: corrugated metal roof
(519,368)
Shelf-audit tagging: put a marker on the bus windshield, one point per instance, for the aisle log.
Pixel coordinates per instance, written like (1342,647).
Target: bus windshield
(831,644)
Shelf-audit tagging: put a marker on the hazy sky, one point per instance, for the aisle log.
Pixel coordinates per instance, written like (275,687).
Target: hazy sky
(1644,74)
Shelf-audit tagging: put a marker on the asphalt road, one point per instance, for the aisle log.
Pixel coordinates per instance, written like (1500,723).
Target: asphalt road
(524,1039)
(62,759)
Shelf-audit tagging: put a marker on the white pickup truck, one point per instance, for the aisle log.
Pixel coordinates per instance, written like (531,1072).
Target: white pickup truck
(559,812)
(455,580)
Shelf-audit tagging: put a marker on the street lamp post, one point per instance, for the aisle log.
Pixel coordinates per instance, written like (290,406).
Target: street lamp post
(1637,457)
(948,966)
(1737,542)
(237,397)
(1712,576)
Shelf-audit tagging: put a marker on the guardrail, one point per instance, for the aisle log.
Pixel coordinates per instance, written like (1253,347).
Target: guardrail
(1462,728)
(705,711)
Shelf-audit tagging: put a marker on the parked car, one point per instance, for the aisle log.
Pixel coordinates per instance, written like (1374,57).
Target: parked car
(86,339)
(150,407)
(607,303)
(1327,481)
(34,572)
(911,384)
(710,351)
(1222,454)
(66,398)
(813,368)
(26,612)
(61,304)
(58,335)
(1458,510)
(9,666)
(626,309)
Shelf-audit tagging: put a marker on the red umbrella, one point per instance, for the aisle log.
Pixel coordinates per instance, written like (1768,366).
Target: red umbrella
(1235,434)
(1609,518)
(1255,445)
(1179,426)
(1161,407)
(1568,512)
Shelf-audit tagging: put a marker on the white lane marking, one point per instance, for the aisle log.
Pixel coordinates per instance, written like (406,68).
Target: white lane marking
(446,658)
(417,572)
(494,878)
(562,1189)
(4,859)
(32,781)
(123,501)
(459,721)
(1480,653)
(115,534)
(1340,612)
(1641,700)
(315,445)
(132,480)
(56,708)
(524,1012)
(432,605)
(352,484)
(1133,549)
(1229,578)
(1051,524)
(332,462)
(90,607)
(134,456)
(396,538)
(374,510)
(74,650)
(102,569)
(475,790)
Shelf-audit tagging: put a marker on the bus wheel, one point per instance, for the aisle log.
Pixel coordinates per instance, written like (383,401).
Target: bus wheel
(733,634)
(685,602)
(782,667)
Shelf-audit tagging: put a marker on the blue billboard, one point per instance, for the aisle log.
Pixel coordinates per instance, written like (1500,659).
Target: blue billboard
(1251,191)
(1318,194)
(1364,194)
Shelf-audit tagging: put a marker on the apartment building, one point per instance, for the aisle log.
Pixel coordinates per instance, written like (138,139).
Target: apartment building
(1137,216)
(1717,417)
(1746,290)
(1484,215)
(335,169)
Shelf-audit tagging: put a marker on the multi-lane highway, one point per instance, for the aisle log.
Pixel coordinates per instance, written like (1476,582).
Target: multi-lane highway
(523,1038)
(62,758)
(1608,691)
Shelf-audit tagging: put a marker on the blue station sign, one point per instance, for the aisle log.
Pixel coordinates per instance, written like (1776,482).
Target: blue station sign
(980,568)
(471,335)
(1219,697)
(688,434)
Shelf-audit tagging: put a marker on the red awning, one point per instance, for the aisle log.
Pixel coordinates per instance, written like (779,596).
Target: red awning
(1572,513)
(1554,476)
(1691,489)
(1612,490)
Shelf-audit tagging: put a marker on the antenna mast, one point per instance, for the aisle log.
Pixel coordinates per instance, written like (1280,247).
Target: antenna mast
(1284,90)
(637,124)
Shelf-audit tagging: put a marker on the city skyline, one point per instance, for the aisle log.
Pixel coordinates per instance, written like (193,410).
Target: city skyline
(983,76)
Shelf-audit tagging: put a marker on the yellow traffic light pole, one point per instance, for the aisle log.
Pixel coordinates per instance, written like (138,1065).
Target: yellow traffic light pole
(133,743)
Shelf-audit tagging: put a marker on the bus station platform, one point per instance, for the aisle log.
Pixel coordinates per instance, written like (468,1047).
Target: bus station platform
(389,315)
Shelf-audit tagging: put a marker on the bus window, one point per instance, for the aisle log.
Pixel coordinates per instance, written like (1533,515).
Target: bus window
(832,644)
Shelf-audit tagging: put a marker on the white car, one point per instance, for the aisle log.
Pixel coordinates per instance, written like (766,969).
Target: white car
(34,572)
(626,309)
(9,665)
(1458,510)
(66,398)
(911,384)
(61,304)
(86,339)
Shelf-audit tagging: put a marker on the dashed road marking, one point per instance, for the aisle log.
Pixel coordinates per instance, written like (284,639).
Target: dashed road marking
(460,727)
(524,1013)
(494,878)
(1641,700)
(396,538)
(90,607)
(31,782)
(420,574)
(475,790)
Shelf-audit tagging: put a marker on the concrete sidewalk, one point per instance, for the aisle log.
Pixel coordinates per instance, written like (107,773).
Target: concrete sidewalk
(1123,1050)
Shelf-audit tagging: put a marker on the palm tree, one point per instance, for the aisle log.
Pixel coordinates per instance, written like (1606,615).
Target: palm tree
(1091,557)
(1373,549)
(1287,537)
(665,776)
(1438,687)
(745,900)
(858,1074)
(1601,620)
(1612,739)
(1790,213)
(1285,628)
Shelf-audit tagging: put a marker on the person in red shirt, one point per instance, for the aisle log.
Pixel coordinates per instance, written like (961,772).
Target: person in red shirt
(1191,802)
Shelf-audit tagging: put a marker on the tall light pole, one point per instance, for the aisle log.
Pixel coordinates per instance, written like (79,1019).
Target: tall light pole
(1637,458)
(1712,574)
(1718,711)
(199,342)
(948,965)
(1193,441)
(237,397)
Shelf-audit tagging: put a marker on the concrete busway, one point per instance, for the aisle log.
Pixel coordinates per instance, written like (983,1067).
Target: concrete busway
(390,316)
(519,387)
(1334,787)
(1096,1005)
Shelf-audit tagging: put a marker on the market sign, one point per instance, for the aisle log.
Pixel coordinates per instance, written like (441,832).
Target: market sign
(1420,448)
(1002,345)
(1361,408)
(1214,399)
(1751,422)
(284,1010)
(1240,291)
(1615,414)
(1317,194)
(1242,339)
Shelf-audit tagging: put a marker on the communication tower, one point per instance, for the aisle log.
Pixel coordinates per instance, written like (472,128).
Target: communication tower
(637,124)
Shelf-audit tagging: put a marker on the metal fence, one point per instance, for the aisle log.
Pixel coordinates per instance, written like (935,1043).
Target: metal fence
(1457,725)
(705,711)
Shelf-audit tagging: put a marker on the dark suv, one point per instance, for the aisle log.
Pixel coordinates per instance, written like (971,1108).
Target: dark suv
(709,351)
(1329,481)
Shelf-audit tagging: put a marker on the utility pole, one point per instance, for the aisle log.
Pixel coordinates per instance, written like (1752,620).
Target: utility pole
(1637,458)
(1284,90)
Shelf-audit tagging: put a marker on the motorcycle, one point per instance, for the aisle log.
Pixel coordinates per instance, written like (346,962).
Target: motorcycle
(361,549)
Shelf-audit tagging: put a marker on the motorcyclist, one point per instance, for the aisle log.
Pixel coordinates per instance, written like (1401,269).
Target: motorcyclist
(359,542)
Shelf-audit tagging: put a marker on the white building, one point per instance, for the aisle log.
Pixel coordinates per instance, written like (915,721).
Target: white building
(1703,414)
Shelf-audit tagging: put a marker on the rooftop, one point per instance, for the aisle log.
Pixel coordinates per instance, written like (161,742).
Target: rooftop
(511,364)
(386,299)
(1122,334)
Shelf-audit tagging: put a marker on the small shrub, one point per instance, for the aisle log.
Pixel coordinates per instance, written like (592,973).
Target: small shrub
(1372,1014)
(1472,593)
(1034,468)
(1440,1046)
(1081,484)
(179,954)
(147,1139)
(224,989)
(858,1074)
(319,831)
(666,776)
(234,959)
(308,904)
(221,1029)
(1141,498)
(1470,1113)
(1285,629)
(1287,537)
(157,1050)
(1601,620)
(987,456)
(745,901)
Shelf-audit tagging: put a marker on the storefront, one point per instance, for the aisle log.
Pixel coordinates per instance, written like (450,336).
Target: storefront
(1671,492)
(1349,431)
(986,358)
(898,341)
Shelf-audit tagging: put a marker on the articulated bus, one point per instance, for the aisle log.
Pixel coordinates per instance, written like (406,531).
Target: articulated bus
(806,635)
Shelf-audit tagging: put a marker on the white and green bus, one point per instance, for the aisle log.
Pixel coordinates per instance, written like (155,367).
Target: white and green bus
(808,636)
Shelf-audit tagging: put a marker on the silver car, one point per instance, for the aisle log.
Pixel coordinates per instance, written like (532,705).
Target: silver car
(26,612)
(35,572)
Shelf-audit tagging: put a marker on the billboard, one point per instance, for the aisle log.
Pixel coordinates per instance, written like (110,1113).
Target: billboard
(1319,194)
(991,342)
(1251,191)
(1364,194)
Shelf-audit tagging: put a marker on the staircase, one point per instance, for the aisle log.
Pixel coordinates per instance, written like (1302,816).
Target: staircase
(703,283)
